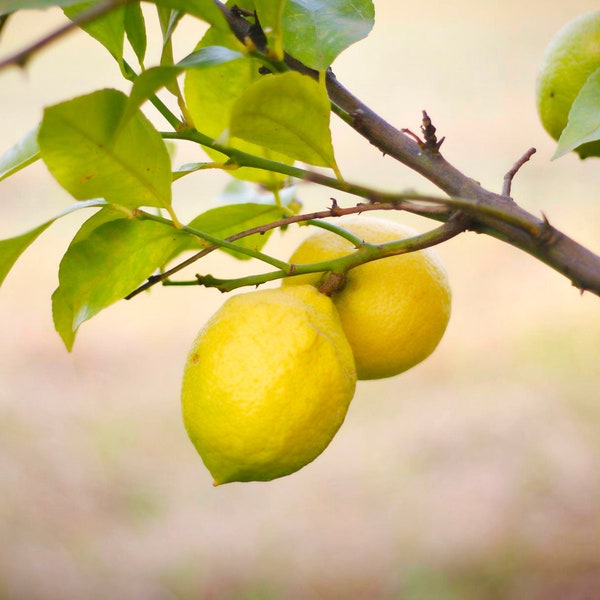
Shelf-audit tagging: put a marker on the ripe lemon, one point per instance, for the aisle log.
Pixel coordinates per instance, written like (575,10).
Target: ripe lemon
(570,58)
(267,384)
(394,311)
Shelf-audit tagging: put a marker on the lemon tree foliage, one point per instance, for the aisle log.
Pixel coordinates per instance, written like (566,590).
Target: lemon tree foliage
(270,377)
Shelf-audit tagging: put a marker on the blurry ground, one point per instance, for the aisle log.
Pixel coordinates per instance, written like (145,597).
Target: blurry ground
(474,476)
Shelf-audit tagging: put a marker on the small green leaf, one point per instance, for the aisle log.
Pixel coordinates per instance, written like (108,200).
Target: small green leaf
(23,153)
(135,29)
(287,113)
(582,133)
(108,29)
(105,264)
(316,31)
(12,248)
(78,144)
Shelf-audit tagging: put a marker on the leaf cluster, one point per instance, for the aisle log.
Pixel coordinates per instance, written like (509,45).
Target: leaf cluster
(248,112)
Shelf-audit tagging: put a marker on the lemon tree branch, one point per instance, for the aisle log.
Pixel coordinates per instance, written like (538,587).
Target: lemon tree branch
(534,235)
(365,252)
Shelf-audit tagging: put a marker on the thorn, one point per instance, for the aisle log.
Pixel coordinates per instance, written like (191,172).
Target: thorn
(335,209)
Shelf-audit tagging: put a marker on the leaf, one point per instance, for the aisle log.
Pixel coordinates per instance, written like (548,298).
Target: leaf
(210,95)
(227,220)
(152,80)
(104,264)
(12,248)
(22,154)
(287,113)
(108,29)
(270,13)
(583,126)
(78,144)
(206,10)
(317,31)
(135,29)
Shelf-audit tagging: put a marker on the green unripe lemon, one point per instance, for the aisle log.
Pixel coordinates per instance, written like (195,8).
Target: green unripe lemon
(570,58)
(267,384)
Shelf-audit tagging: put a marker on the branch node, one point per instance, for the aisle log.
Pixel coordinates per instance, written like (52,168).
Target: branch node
(335,209)
(430,143)
(334,282)
(547,234)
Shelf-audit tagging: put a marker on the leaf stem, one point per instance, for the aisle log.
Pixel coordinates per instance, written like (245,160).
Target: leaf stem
(364,254)
(218,242)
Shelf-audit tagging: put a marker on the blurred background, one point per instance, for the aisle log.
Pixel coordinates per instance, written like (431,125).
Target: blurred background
(475,475)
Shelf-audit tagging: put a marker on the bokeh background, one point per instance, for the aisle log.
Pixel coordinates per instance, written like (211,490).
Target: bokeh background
(474,476)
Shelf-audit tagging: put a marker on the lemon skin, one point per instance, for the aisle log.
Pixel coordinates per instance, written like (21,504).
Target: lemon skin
(267,384)
(395,310)
(570,58)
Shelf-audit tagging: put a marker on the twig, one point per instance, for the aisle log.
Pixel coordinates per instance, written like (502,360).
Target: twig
(508,178)
(21,58)
(338,266)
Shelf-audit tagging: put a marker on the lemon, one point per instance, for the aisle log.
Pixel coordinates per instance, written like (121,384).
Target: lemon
(394,311)
(570,58)
(267,384)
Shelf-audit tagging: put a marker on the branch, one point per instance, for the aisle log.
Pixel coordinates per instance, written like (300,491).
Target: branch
(338,266)
(539,238)
(21,58)
(452,229)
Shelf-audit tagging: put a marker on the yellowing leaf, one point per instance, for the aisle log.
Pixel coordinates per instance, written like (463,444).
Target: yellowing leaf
(287,113)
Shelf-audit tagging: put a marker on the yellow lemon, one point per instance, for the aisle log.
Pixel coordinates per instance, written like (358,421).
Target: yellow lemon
(570,58)
(394,311)
(267,384)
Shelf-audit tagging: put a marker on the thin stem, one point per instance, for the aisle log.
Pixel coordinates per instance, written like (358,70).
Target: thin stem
(364,254)
(218,242)
(21,58)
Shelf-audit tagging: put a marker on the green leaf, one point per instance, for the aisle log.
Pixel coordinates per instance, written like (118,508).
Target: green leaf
(210,95)
(270,13)
(135,29)
(79,145)
(12,248)
(582,132)
(155,78)
(287,113)
(108,29)
(23,153)
(206,10)
(227,220)
(104,264)
(317,31)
